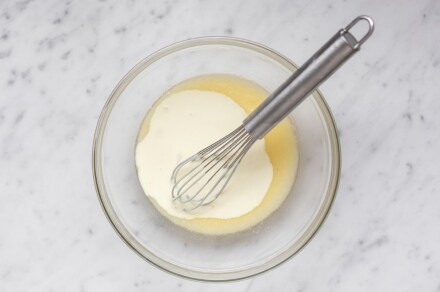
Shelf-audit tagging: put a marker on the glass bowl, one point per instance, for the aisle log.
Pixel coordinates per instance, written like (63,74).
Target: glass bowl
(175,249)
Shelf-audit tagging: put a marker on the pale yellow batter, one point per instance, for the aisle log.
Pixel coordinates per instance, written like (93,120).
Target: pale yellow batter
(277,155)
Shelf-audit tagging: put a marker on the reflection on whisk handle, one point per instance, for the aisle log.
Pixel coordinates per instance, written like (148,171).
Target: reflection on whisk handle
(306,79)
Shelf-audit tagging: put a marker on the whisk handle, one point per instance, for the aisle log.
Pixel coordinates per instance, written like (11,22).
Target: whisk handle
(306,79)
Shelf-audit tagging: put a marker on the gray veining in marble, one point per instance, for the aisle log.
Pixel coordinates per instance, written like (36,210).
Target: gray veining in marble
(59,60)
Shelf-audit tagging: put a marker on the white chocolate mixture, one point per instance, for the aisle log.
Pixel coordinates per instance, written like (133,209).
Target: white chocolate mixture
(181,125)
(193,115)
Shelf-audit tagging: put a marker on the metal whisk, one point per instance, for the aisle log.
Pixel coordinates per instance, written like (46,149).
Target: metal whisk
(200,179)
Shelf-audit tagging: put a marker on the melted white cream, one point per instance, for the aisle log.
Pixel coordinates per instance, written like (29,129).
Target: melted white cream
(181,125)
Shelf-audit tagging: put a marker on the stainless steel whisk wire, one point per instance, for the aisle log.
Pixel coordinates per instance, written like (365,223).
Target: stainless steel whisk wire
(238,140)
(215,165)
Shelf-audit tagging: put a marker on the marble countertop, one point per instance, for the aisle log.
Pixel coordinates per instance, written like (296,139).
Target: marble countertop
(59,61)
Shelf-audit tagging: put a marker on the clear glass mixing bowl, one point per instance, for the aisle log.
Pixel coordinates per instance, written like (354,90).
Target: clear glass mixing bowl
(172,248)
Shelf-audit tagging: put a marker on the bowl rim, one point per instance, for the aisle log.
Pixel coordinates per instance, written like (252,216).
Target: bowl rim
(200,275)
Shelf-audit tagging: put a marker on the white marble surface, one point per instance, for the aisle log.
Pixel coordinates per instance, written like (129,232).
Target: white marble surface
(59,60)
